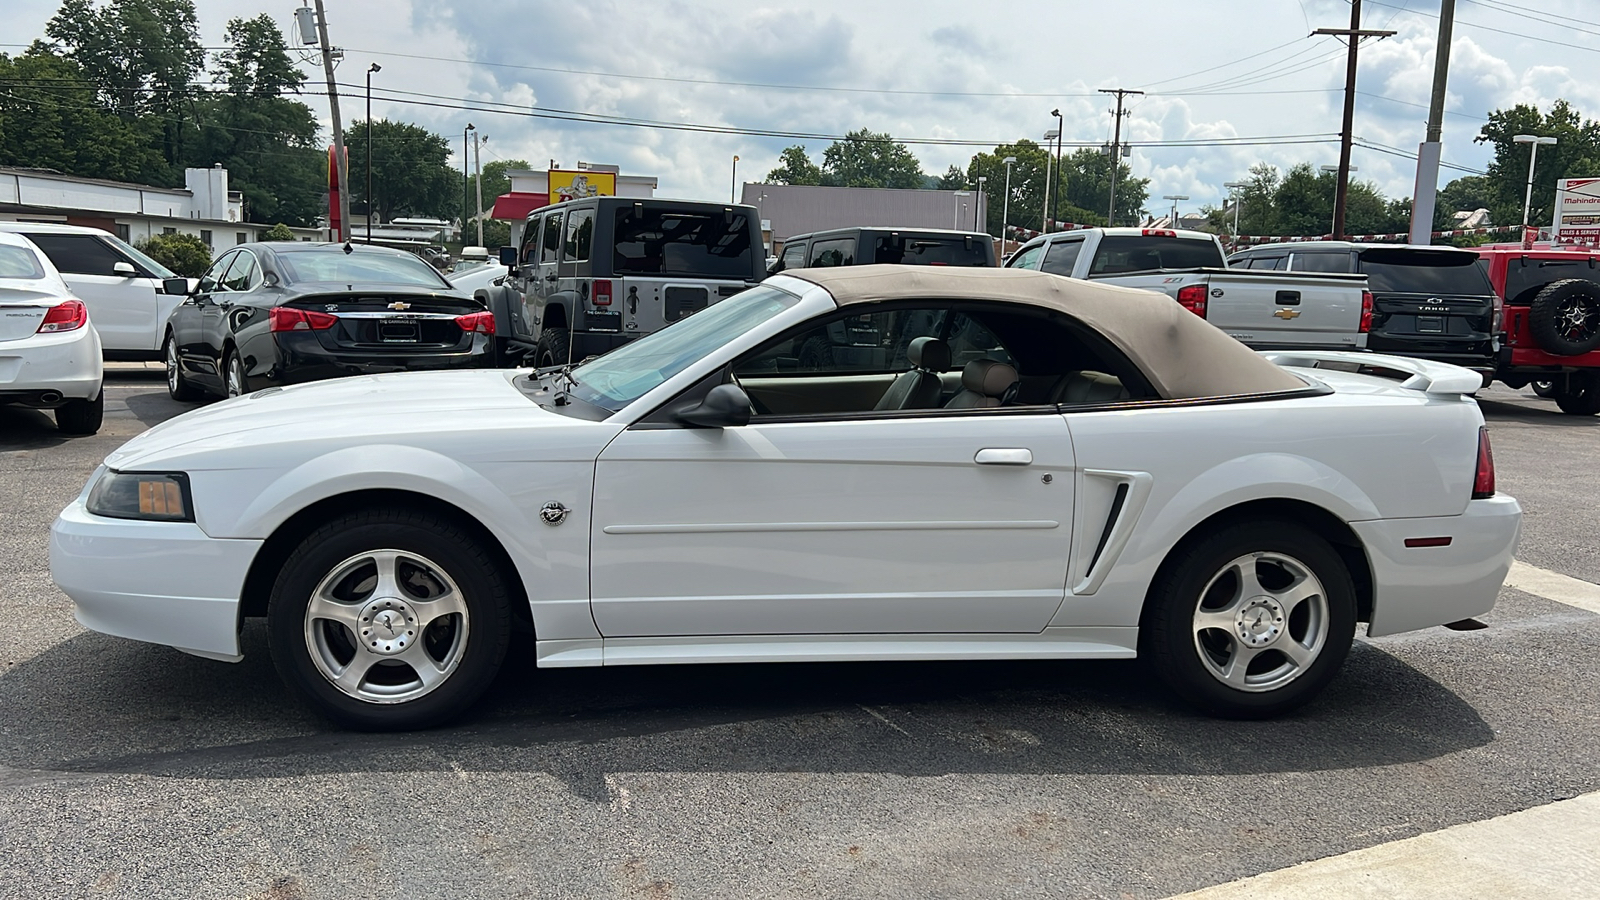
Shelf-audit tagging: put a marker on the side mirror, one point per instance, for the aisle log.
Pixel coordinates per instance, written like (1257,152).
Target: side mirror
(775,268)
(175,287)
(508,257)
(125,269)
(724,405)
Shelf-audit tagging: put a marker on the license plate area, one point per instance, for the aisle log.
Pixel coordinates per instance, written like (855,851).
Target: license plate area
(603,321)
(1430,324)
(398,331)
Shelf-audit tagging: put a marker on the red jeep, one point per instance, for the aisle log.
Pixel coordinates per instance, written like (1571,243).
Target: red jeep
(1551,322)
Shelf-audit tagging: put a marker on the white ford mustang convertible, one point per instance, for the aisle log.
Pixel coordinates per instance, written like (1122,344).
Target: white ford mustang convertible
(867,463)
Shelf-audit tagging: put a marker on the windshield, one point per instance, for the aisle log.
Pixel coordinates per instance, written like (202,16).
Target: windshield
(914,250)
(150,265)
(333,264)
(628,372)
(1405,271)
(1121,253)
(665,241)
(19,262)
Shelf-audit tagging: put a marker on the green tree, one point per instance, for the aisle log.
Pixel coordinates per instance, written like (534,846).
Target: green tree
(143,55)
(1575,154)
(50,118)
(278,232)
(866,159)
(795,167)
(1087,173)
(1028,178)
(953,180)
(411,173)
(184,254)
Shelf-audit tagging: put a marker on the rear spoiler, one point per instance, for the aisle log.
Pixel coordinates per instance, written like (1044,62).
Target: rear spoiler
(1414,374)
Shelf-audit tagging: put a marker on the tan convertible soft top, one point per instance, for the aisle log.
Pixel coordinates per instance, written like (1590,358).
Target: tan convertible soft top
(1183,356)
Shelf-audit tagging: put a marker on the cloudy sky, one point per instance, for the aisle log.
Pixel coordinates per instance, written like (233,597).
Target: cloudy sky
(1237,80)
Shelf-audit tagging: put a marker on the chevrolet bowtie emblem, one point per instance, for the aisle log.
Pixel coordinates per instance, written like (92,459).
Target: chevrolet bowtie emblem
(400,305)
(1287,313)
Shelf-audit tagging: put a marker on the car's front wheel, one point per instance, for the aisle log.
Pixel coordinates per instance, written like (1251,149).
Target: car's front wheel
(389,619)
(1543,388)
(555,348)
(177,383)
(1252,621)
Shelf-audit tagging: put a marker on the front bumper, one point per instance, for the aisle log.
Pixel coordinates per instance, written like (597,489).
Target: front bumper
(66,363)
(161,582)
(1417,587)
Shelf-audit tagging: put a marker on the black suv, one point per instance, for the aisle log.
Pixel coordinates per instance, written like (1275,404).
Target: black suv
(904,246)
(590,275)
(1429,302)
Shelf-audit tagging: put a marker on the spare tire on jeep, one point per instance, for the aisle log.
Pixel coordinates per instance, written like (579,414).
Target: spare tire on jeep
(1565,317)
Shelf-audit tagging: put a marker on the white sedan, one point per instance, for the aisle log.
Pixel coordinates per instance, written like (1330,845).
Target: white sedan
(49,353)
(866,463)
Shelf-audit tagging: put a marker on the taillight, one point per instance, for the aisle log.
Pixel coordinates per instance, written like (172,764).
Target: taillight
(68,315)
(1367,305)
(1483,481)
(602,292)
(482,322)
(1158,232)
(287,318)
(1193,298)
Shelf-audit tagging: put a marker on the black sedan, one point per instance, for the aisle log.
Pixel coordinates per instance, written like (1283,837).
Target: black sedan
(282,313)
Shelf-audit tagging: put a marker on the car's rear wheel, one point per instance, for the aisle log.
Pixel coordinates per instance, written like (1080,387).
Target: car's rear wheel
(82,416)
(389,619)
(1564,317)
(555,347)
(235,378)
(177,385)
(1543,388)
(1579,395)
(1251,621)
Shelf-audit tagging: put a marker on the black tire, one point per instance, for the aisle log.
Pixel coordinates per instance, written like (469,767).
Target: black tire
(555,347)
(444,559)
(1564,317)
(1543,388)
(1192,658)
(816,354)
(1580,395)
(178,385)
(82,416)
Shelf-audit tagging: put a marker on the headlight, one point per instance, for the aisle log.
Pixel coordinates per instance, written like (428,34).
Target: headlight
(160,496)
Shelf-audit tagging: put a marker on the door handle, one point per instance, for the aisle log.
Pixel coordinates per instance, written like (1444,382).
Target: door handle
(551,277)
(1288,298)
(1004,456)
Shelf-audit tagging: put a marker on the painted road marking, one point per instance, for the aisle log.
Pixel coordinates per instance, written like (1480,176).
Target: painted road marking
(1546,852)
(1554,586)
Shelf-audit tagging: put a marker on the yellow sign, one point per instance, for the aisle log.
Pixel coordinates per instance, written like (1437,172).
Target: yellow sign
(566,184)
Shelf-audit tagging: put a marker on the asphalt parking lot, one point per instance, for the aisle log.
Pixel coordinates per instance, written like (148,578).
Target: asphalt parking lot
(129,769)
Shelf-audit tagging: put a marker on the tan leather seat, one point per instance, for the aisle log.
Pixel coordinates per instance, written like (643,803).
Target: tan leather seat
(1087,387)
(920,387)
(985,383)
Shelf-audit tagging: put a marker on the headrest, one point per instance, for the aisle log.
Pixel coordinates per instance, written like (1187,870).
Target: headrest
(987,377)
(929,353)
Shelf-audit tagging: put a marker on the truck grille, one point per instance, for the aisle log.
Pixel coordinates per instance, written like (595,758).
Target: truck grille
(683,301)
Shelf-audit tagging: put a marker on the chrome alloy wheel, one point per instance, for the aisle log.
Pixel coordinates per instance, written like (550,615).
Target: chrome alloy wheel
(1576,320)
(386,626)
(235,375)
(1261,622)
(172,365)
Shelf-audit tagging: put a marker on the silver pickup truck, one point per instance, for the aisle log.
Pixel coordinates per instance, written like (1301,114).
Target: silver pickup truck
(1263,309)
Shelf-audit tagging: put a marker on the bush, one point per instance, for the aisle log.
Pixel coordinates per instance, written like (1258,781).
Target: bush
(184,254)
(278,232)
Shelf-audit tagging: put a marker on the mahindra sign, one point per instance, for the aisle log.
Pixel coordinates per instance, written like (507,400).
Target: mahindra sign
(1577,217)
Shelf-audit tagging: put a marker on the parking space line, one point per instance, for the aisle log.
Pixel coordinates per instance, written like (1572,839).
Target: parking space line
(1545,852)
(1554,586)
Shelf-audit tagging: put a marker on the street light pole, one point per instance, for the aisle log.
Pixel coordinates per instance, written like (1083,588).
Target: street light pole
(955,217)
(466,177)
(1005,204)
(1238,199)
(1044,214)
(977,206)
(733,182)
(1174,198)
(1533,156)
(1061,127)
(1334,230)
(477,176)
(370,69)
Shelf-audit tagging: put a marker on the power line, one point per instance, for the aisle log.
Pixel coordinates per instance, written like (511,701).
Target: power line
(1531,37)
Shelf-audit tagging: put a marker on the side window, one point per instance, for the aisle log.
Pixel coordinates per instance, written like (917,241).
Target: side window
(1027,259)
(241,275)
(1321,262)
(552,239)
(1267,262)
(78,254)
(529,254)
(580,235)
(969,340)
(838,252)
(794,256)
(212,280)
(870,344)
(1061,257)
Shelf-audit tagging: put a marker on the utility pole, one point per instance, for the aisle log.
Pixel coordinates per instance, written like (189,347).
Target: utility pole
(338,126)
(1352,36)
(1116,147)
(1424,195)
(477,174)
